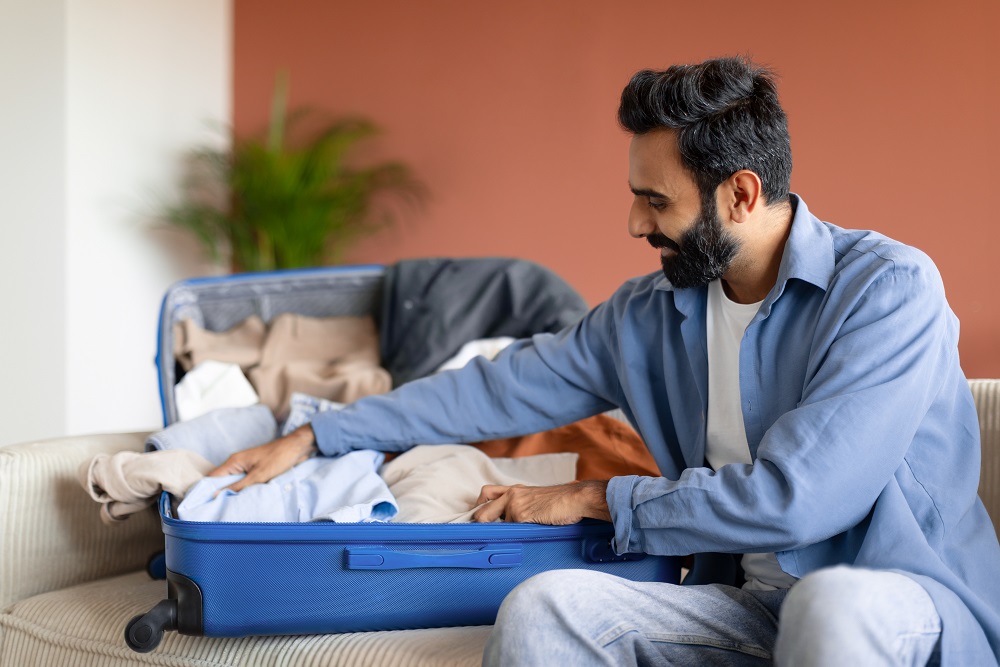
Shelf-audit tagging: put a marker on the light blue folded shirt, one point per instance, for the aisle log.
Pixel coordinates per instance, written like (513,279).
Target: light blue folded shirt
(217,434)
(345,489)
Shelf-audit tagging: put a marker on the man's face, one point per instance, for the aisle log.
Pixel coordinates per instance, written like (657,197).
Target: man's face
(669,211)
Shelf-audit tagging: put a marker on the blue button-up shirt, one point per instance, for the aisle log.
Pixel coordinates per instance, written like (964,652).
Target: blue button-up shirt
(860,422)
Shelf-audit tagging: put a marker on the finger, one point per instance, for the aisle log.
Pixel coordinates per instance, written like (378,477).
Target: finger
(491,511)
(483,514)
(230,466)
(252,477)
(238,486)
(232,487)
(489,492)
(235,487)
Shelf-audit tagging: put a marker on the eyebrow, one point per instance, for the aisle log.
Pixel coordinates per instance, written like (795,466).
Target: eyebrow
(646,192)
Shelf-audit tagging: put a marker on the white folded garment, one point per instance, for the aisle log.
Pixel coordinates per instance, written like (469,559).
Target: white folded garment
(211,385)
(441,483)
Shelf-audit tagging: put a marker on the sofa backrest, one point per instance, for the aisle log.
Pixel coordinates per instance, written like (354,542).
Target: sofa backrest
(987,396)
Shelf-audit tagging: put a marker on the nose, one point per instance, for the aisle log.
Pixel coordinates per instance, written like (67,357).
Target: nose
(640,223)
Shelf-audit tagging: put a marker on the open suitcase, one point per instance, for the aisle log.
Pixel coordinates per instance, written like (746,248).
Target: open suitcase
(238,579)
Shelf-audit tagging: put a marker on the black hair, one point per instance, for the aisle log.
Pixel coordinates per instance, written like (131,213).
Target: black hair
(727,117)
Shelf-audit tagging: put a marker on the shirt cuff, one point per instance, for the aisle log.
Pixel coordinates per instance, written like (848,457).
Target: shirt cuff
(324,426)
(619,497)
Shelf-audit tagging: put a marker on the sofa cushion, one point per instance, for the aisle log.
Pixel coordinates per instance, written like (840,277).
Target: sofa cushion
(85,624)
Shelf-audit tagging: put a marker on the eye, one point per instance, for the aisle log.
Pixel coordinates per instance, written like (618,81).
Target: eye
(657,205)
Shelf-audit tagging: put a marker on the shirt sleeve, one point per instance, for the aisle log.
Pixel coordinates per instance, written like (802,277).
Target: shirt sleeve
(533,385)
(821,466)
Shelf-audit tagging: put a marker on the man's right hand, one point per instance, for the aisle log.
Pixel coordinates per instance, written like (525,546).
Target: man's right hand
(265,462)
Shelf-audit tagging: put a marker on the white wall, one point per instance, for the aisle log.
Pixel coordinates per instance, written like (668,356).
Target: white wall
(133,85)
(32,227)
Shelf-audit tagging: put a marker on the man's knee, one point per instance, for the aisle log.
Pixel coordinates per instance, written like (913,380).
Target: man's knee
(539,617)
(842,594)
(820,594)
(542,595)
(845,609)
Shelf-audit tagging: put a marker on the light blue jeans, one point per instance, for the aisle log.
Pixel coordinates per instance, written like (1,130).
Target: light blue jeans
(837,616)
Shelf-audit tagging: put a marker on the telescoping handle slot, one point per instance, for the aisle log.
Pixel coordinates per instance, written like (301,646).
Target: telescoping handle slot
(382,558)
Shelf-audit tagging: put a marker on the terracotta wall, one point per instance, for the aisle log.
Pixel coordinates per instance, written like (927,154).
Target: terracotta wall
(507,112)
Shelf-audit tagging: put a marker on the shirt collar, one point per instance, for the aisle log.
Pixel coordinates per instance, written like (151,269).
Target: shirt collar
(808,253)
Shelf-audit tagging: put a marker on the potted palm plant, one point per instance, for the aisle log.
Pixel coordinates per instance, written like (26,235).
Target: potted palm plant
(290,203)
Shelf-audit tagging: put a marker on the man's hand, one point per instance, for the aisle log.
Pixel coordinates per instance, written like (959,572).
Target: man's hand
(552,505)
(265,462)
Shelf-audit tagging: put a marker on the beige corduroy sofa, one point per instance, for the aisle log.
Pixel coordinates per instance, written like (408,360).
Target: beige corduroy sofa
(69,584)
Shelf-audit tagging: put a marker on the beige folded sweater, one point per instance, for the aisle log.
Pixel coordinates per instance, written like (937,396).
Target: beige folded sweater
(441,483)
(128,482)
(336,358)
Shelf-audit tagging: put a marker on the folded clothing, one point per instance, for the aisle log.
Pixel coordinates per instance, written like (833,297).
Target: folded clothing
(336,358)
(441,483)
(128,482)
(239,345)
(342,489)
(219,433)
(607,447)
(212,385)
(430,307)
(303,408)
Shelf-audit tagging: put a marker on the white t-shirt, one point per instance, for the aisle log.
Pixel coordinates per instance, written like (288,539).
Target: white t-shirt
(726,439)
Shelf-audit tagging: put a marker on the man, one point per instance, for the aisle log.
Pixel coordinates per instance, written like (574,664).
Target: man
(799,387)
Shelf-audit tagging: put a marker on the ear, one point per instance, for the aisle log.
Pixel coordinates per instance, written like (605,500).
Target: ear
(742,194)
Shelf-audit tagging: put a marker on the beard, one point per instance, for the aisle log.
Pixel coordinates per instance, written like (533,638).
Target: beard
(705,251)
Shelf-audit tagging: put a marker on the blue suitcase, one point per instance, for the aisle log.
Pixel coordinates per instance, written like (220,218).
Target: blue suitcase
(238,579)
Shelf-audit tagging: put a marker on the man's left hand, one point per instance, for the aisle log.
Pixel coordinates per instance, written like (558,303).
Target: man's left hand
(552,505)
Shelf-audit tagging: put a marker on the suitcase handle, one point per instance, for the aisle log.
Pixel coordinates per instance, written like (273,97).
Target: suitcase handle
(382,558)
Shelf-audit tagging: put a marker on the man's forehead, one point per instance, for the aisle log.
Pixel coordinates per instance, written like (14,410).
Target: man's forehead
(661,140)
(655,161)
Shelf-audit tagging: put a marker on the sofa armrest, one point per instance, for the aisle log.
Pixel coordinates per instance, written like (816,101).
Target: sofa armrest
(987,396)
(51,535)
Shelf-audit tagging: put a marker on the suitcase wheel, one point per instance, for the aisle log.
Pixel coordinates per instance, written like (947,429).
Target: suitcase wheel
(145,631)
(156,566)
